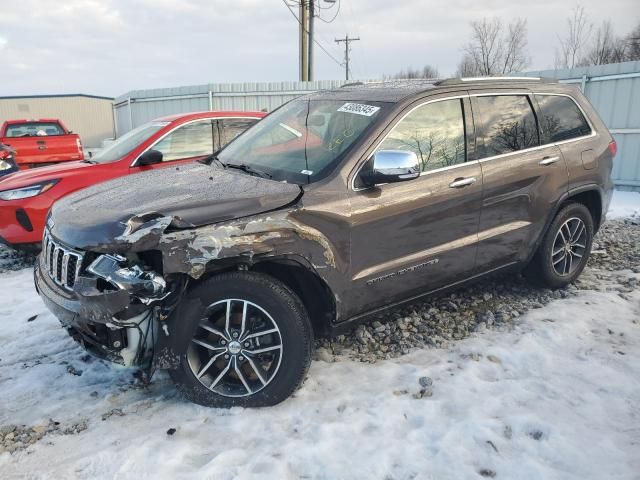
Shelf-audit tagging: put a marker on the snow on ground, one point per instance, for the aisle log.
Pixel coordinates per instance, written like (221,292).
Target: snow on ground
(555,397)
(624,204)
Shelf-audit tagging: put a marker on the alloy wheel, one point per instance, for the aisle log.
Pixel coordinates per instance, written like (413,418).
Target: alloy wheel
(569,247)
(237,348)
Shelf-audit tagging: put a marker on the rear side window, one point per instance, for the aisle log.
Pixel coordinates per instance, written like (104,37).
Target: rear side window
(434,132)
(34,129)
(504,124)
(561,119)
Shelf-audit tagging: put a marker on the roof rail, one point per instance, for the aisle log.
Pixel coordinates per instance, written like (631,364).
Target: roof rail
(352,84)
(454,81)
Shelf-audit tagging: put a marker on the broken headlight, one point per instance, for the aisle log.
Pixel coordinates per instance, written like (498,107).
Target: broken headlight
(144,284)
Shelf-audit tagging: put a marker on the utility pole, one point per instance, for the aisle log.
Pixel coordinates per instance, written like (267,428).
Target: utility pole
(307,11)
(310,41)
(347,49)
(304,41)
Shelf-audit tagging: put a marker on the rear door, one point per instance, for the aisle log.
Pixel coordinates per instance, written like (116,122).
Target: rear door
(523,178)
(415,236)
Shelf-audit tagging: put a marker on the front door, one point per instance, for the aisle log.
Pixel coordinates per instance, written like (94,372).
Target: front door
(189,142)
(415,236)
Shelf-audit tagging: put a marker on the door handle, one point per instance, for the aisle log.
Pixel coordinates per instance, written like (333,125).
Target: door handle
(548,161)
(462,182)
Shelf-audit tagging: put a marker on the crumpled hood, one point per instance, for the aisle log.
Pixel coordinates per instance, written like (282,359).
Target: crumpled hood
(183,196)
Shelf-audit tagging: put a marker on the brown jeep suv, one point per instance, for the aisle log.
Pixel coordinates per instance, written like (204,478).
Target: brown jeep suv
(334,207)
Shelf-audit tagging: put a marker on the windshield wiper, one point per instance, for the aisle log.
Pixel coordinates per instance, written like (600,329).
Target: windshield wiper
(213,158)
(248,169)
(91,161)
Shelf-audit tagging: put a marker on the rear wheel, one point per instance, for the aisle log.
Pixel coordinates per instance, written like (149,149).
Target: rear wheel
(565,248)
(251,343)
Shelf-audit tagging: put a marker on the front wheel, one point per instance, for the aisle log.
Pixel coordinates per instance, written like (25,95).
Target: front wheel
(251,344)
(565,248)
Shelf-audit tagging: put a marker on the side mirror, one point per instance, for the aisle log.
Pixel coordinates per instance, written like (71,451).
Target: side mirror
(390,166)
(150,157)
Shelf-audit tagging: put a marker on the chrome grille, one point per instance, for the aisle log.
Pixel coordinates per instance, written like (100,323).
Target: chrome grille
(62,264)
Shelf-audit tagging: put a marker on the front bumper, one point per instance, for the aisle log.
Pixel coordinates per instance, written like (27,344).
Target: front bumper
(13,227)
(88,316)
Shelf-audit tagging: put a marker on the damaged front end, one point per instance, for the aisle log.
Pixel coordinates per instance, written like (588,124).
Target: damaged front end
(112,304)
(120,302)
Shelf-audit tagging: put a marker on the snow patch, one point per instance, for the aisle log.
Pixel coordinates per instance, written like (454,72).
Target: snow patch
(624,205)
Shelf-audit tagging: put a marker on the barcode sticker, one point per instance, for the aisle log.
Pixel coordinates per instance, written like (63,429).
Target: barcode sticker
(359,109)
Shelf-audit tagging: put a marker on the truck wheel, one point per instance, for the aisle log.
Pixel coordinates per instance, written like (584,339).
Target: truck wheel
(251,344)
(565,248)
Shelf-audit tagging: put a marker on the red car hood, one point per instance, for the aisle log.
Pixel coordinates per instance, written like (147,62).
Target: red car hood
(41,174)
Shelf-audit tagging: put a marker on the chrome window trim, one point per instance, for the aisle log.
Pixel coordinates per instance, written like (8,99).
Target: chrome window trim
(150,147)
(355,175)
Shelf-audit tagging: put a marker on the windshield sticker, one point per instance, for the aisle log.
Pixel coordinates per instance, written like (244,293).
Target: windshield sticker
(359,109)
(307,172)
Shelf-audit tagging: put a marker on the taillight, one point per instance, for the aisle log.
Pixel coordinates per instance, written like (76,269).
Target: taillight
(79,144)
(613,148)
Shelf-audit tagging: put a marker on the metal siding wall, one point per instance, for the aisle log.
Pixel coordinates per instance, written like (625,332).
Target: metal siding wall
(617,101)
(150,104)
(91,118)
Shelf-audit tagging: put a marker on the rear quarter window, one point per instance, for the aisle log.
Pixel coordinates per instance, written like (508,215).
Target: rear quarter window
(561,119)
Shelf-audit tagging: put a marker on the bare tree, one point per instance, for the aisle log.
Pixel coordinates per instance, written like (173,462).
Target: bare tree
(466,67)
(602,47)
(515,46)
(494,50)
(572,46)
(605,48)
(632,44)
(427,71)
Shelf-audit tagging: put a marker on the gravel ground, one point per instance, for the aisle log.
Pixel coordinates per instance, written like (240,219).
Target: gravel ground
(494,303)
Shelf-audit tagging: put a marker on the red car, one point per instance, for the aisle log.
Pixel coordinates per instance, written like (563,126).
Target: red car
(39,143)
(25,197)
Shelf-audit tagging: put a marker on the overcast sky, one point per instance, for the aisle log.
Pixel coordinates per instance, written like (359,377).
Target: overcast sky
(108,47)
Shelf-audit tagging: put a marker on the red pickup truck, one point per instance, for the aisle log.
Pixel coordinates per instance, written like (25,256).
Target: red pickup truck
(38,143)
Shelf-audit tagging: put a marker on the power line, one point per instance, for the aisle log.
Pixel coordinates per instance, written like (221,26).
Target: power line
(328,8)
(307,32)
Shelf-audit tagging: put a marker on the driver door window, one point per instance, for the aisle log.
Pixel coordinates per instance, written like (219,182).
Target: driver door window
(434,132)
(189,141)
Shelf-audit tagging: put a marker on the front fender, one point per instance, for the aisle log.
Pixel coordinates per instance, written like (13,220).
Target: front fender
(195,251)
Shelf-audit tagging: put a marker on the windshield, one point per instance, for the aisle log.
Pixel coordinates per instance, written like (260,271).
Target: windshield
(126,143)
(302,141)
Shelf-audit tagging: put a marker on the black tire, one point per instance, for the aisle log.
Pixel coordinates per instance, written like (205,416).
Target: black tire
(546,269)
(270,301)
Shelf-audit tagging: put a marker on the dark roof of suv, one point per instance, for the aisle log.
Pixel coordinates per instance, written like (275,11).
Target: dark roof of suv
(396,90)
